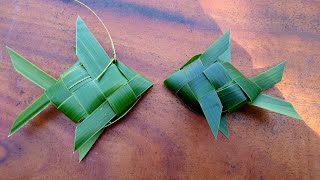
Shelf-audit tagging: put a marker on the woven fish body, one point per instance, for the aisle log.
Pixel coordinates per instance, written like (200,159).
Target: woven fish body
(94,92)
(78,95)
(220,78)
(209,84)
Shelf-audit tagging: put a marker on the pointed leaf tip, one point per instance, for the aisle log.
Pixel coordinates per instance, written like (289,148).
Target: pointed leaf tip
(78,22)
(228,32)
(270,77)
(223,127)
(12,131)
(34,109)
(276,105)
(30,71)
(212,109)
(8,48)
(79,18)
(220,48)
(283,65)
(10,134)
(89,51)
(15,57)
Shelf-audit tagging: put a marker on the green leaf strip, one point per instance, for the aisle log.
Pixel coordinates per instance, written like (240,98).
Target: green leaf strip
(224,125)
(212,109)
(37,76)
(85,148)
(122,99)
(30,71)
(89,51)
(34,109)
(96,121)
(217,49)
(270,77)
(276,105)
(217,75)
(248,87)
(176,81)
(231,97)
(194,58)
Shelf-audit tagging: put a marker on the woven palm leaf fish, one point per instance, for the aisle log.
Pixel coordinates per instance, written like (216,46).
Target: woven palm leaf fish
(94,92)
(209,84)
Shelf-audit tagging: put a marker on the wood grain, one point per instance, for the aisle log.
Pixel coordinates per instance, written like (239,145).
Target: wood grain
(161,138)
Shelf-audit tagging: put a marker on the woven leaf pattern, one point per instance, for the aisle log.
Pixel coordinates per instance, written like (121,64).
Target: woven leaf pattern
(94,92)
(210,85)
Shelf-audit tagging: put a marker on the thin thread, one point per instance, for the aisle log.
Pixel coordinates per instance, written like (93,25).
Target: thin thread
(105,69)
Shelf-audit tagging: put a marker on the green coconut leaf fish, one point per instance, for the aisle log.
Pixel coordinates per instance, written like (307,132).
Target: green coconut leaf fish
(210,85)
(94,92)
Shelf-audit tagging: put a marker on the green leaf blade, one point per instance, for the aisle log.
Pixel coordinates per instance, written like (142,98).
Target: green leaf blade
(122,99)
(34,109)
(218,48)
(189,99)
(111,81)
(126,71)
(270,77)
(223,128)
(89,96)
(30,71)
(200,86)
(85,148)
(217,75)
(248,87)
(194,58)
(96,121)
(232,97)
(194,69)
(140,85)
(72,109)
(89,51)
(212,109)
(276,105)
(176,81)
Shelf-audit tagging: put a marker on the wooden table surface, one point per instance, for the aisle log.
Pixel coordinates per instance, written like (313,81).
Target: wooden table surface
(160,138)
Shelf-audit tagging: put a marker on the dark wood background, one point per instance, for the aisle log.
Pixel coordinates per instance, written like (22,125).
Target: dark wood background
(161,138)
